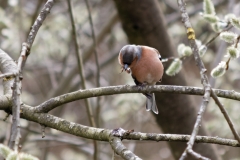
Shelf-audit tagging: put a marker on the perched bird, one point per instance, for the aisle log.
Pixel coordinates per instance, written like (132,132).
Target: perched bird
(144,63)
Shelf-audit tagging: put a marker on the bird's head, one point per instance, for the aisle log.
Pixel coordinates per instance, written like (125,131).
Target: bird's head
(128,54)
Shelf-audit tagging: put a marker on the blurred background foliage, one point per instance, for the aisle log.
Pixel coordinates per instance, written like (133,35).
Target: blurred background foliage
(51,70)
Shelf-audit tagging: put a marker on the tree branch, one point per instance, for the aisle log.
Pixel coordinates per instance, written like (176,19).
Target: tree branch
(80,65)
(111,90)
(101,134)
(33,32)
(15,130)
(94,43)
(121,150)
(65,81)
(98,73)
(224,112)
(204,79)
(81,73)
(7,66)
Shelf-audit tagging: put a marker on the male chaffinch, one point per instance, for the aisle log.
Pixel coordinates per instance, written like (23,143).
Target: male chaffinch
(146,67)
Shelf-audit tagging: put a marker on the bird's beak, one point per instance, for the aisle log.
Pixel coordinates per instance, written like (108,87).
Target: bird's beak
(125,67)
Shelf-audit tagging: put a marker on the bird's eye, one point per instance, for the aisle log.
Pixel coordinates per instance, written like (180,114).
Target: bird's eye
(160,57)
(127,63)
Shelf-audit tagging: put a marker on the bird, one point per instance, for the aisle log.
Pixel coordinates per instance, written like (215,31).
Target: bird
(144,64)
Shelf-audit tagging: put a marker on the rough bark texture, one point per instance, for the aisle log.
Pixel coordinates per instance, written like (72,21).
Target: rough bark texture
(144,24)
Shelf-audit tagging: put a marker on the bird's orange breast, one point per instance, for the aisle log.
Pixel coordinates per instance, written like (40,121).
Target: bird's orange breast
(148,69)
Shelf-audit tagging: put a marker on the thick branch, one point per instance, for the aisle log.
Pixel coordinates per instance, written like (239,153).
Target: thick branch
(103,134)
(111,90)
(95,92)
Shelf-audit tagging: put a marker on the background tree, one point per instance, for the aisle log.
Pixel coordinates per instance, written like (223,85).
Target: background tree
(52,69)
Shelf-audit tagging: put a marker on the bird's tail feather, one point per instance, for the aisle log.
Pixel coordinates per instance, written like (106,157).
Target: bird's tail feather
(151,103)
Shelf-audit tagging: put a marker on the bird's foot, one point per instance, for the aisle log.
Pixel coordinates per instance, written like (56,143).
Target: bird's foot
(141,86)
(118,132)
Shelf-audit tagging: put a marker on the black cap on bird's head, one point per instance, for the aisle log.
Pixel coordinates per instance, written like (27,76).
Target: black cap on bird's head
(128,54)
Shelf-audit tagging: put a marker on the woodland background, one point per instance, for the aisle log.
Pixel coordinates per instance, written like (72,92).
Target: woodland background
(51,70)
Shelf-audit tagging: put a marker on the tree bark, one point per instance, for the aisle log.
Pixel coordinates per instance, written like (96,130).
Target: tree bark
(144,24)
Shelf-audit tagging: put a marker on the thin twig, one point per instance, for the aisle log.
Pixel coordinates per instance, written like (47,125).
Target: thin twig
(197,123)
(220,51)
(98,72)
(173,17)
(204,78)
(16,101)
(224,112)
(34,29)
(197,155)
(89,75)
(121,150)
(65,81)
(96,60)
(15,130)
(81,74)
(80,66)
(211,40)
(94,42)
(205,82)
(36,11)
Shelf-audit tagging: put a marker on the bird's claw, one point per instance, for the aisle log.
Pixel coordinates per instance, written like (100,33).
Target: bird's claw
(141,86)
(119,132)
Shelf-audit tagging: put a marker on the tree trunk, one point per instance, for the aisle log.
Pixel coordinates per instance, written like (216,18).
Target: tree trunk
(143,22)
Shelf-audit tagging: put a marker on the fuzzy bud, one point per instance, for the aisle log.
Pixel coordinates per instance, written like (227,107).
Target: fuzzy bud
(232,52)
(184,51)
(229,37)
(215,27)
(219,70)
(174,67)
(229,16)
(211,18)
(13,156)
(9,154)
(180,49)
(187,51)
(235,22)
(24,156)
(4,150)
(219,26)
(208,7)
